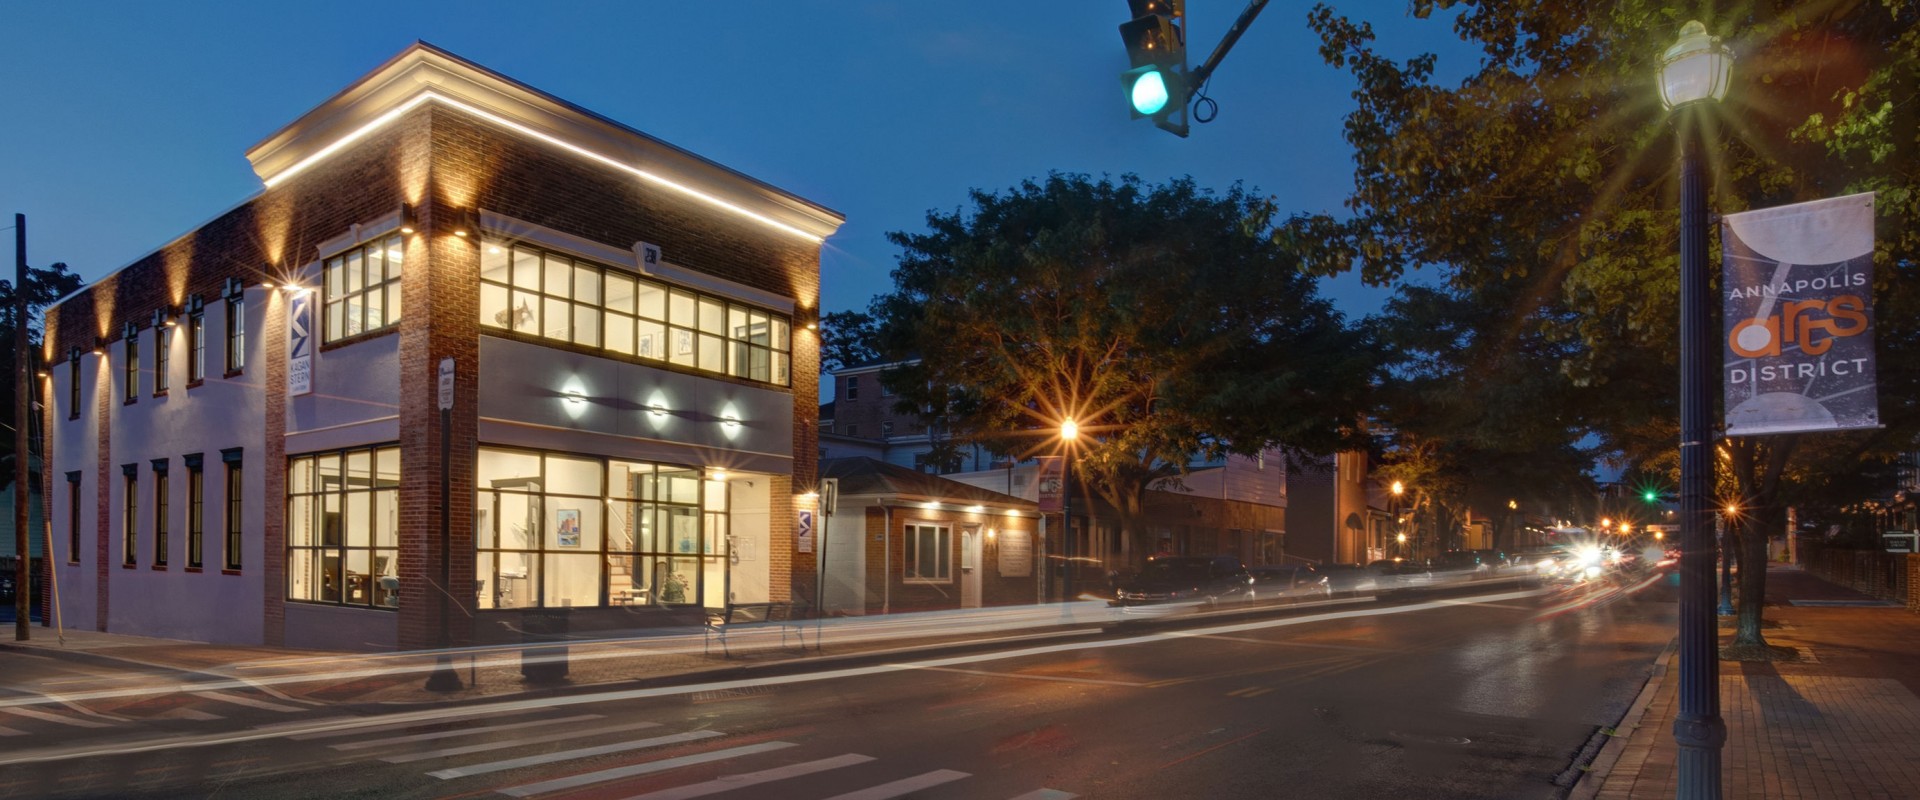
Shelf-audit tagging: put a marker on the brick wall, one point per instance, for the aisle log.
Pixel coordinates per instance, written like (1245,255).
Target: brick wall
(887,589)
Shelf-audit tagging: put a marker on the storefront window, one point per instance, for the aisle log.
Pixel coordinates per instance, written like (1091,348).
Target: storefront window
(343,537)
(558,530)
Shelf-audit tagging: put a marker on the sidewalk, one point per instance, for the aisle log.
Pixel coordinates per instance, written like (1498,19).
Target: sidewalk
(1843,721)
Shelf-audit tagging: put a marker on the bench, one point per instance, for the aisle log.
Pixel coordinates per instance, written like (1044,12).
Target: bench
(782,615)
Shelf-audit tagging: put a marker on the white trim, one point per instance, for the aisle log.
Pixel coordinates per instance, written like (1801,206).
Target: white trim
(520,230)
(904,534)
(360,233)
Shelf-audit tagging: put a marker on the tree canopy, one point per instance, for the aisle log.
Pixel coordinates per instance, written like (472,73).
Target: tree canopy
(1167,321)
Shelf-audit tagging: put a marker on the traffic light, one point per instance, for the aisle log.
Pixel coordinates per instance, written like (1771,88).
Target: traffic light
(1651,495)
(1156,43)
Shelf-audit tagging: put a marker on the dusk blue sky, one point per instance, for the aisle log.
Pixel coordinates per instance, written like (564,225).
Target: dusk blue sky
(127,123)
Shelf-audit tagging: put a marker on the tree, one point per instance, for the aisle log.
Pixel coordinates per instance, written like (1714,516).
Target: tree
(847,338)
(43,286)
(1165,320)
(1551,167)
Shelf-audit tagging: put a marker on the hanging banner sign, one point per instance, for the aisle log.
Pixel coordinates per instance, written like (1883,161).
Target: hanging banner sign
(1052,470)
(1799,318)
(300,344)
(804,526)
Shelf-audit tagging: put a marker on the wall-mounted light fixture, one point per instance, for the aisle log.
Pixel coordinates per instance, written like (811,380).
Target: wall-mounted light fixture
(730,422)
(575,397)
(407,223)
(233,288)
(465,224)
(658,410)
(99,346)
(717,475)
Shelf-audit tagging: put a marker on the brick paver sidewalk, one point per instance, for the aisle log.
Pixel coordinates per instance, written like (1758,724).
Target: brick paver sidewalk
(1842,722)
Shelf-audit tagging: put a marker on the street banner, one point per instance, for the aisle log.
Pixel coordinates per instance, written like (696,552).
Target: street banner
(1052,470)
(300,344)
(1799,318)
(804,541)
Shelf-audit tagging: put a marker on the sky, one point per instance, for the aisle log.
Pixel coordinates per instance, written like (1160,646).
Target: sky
(127,123)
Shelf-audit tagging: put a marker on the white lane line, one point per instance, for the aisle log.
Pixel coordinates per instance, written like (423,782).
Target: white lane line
(1047,794)
(188,713)
(422,737)
(602,776)
(887,791)
(728,783)
(343,726)
(11,732)
(412,721)
(1060,678)
(408,758)
(1286,643)
(246,701)
(569,755)
(50,717)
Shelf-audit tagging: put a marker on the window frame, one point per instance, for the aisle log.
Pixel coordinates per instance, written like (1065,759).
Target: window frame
(236,335)
(130,516)
(161,362)
(231,561)
(196,512)
(130,368)
(853,388)
(943,532)
(73,386)
(73,517)
(196,348)
(341,493)
(340,294)
(160,514)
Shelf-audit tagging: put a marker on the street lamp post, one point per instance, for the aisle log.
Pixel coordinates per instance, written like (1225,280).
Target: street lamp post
(1726,563)
(1696,69)
(1069,431)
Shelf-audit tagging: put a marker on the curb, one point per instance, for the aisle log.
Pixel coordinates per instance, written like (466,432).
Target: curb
(104,660)
(1595,777)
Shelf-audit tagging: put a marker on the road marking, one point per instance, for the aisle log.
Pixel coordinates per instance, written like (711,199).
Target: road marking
(188,713)
(1286,643)
(413,721)
(501,745)
(1191,756)
(727,783)
(992,674)
(51,717)
(421,737)
(569,755)
(246,701)
(11,732)
(1047,794)
(887,791)
(354,725)
(602,776)
(1251,691)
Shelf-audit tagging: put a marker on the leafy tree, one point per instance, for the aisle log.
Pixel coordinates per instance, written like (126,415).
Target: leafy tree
(1550,168)
(847,338)
(1166,321)
(43,286)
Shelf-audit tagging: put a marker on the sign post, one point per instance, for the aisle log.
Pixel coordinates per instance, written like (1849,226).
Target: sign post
(444,679)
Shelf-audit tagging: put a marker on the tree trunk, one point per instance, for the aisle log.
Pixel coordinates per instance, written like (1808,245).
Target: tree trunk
(1757,465)
(1752,543)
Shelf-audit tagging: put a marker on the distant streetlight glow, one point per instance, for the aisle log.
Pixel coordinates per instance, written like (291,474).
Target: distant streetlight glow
(1069,430)
(1399,488)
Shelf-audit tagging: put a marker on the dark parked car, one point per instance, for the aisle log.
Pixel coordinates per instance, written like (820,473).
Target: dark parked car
(1179,579)
(1273,583)
(1350,579)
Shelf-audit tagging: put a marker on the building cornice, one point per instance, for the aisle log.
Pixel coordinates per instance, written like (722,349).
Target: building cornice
(423,74)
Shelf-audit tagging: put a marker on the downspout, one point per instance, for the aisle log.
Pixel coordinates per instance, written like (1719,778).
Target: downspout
(886,563)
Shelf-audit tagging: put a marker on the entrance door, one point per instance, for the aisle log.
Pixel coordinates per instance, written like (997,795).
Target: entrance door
(970,557)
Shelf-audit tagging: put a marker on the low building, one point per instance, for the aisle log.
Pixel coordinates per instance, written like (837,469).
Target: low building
(472,353)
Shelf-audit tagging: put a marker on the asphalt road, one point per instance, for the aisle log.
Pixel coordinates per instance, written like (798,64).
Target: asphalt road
(1471,696)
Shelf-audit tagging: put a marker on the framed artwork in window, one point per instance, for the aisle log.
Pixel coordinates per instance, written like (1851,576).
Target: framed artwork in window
(646,346)
(567,526)
(683,343)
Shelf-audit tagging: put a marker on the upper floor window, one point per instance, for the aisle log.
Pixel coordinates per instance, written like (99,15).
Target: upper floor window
(236,334)
(538,293)
(196,349)
(853,387)
(161,344)
(133,368)
(363,288)
(73,386)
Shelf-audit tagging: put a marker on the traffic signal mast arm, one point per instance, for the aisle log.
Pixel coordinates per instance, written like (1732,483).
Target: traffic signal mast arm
(1200,75)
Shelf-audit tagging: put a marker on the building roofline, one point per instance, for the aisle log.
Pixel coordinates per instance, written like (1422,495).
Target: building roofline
(425,73)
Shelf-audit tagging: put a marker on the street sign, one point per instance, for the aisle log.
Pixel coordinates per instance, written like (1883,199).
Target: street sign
(300,344)
(829,495)
(804,541)
(446,384)
(1901,542)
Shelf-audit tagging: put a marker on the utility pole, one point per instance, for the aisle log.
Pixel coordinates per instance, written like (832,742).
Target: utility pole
(22,407)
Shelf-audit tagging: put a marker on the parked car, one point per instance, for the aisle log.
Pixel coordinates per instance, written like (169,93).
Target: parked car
(1178,579)
(1350,579)
(1298,582)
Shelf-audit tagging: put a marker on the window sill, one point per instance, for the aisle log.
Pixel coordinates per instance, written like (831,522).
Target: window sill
(158,568)
(73,417)
(229,571)
(356,339)
(928,581)
(160,393)
(192,569)
(235,373)
(129,401)
(197,383)
(129,566)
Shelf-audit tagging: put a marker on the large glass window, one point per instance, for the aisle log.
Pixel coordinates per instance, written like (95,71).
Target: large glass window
(159,514)
(234,484)
(236,334)
(363,288)
(196,528)
(196,348)
(129,516)
(559,530)
(343,527)
(929,553)
(133,369)
(534,292)
(162,345)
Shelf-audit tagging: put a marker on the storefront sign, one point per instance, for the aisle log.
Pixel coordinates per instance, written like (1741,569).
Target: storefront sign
(1051,472)
(300,344)
(446,384)
(805,528)
(1016,553)
(1799,318)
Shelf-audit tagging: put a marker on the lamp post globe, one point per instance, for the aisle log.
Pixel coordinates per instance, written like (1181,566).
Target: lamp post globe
(1698,68)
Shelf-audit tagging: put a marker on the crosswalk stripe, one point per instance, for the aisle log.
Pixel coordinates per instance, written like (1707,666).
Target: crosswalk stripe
(1047,794)
(728,783)
(422,737)
(394,726)
(501,745)
(602,776)
(569,755)
(886,791)
(246,701)
(49,717)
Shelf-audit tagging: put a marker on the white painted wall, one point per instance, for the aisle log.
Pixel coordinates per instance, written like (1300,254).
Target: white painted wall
(846,560)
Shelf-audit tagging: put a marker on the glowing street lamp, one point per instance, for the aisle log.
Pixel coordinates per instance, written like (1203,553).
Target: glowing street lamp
(1698,68)
(1069,433)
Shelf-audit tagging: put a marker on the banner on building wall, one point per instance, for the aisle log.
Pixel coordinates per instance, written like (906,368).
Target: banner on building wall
(804,541)
(1052,471)
(1798,285)
(300,344)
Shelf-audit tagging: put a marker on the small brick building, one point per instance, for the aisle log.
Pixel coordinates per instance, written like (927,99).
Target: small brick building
(245,425)
(903,540)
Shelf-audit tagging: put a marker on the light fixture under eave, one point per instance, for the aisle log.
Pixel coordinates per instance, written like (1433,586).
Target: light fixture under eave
(717,475)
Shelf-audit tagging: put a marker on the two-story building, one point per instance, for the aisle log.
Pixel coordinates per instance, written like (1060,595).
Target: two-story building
(472,352)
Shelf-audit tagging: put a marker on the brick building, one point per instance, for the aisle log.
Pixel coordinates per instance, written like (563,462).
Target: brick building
(245,427)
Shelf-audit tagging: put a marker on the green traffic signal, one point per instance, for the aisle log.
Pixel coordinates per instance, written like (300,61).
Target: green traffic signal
(1149,92)
(1651,496)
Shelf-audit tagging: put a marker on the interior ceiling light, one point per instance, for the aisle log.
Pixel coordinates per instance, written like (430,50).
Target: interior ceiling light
(381,121)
